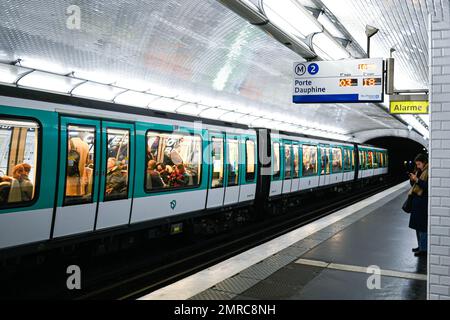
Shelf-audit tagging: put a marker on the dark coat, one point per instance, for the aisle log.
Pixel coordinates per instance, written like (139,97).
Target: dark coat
(419,214)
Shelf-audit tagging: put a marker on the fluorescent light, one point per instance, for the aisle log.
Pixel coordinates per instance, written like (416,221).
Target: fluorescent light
(213,113)
(166,104)
(291,17)
(134,98)
(329,47)
(262,122)
(96,91)
(163,91)
(49,82)
(247,119)
(44,65)
(132,85)
(192,108)
(250,4)
(330,26)
(231,116)
(95,76)
(9,73)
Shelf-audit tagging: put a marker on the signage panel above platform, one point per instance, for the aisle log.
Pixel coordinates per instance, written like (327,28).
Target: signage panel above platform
(349,81)
(409,104)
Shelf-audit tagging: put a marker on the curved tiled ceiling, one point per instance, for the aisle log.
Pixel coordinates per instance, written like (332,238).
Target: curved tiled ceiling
(194,47)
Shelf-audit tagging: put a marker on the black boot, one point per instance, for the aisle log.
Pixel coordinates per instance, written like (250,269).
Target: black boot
(421,254)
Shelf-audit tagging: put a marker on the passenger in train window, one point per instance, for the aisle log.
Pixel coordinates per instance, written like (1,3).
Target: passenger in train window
(26,185)
(116,182)
(177,160)
(154,179)
(15,192)
(164,172)
(309,160)
(337,160)
(78,161)
(179,177)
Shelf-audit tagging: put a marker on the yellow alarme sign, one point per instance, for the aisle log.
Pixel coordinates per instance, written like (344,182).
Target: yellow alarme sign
(409,107)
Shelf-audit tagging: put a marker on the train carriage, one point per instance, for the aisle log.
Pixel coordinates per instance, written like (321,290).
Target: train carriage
(97,169)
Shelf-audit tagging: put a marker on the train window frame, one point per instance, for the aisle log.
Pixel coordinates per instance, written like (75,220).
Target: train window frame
(38,169)
(94,175)
(287,146)
(105,199)
(327,150)
(342,160)
(316,173)
(250,180)
(173,189)
(347,163)
(222,141)
(296,156)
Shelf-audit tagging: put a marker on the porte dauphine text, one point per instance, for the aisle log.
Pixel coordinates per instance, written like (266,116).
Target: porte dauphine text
(225,310)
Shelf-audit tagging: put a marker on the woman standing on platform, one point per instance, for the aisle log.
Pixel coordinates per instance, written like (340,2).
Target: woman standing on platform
(419,209)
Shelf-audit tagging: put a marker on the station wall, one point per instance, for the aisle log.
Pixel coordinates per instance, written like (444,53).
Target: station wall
(439,204)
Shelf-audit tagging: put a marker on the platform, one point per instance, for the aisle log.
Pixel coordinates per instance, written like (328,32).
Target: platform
(327,259)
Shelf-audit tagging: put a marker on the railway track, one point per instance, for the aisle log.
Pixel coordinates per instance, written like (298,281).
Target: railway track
(127,284)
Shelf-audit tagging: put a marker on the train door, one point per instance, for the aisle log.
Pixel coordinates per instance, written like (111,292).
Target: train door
(78,181)
(117,173)
(324,178)
(217,174)
(233,161)
(287,181)
(277,174)
(247,190)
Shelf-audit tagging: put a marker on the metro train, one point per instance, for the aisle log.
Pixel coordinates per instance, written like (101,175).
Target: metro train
(74,170)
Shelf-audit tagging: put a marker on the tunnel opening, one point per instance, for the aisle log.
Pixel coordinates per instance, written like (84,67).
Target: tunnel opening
(401,151)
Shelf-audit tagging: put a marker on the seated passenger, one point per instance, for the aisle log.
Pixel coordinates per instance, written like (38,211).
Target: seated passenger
(5,186)
(26,185)
(179,177)
(116,184)
(15,193)
(164,172)
(154,180)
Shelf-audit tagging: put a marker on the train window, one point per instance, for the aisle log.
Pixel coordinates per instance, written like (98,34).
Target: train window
(233,162)
(250,160)
(309,160)
(325,161)
(347,160)
(353,160)
(276,160)
(296,161)
(336,160)
(217,158)
(18,161)
(174,161)
(287,162)
(370,159)
(376,160)
(118,156)
(80,164)
(362,160)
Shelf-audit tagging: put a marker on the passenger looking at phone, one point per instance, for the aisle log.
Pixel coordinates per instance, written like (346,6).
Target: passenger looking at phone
(419,203)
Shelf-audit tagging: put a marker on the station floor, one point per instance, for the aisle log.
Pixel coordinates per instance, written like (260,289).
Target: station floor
(330,261)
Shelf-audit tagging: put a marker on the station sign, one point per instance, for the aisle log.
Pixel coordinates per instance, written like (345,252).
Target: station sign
(409,104)
(343,81)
